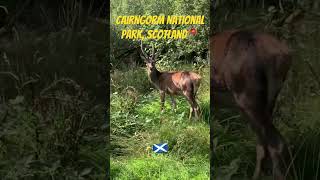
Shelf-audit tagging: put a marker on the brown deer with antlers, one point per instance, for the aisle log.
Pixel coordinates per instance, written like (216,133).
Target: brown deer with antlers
(173,83)
(253,67)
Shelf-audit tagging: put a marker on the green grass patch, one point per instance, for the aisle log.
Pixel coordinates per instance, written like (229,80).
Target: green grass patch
(164,167)
(137,123)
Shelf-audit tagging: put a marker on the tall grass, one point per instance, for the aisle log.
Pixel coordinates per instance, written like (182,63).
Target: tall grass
(51,116)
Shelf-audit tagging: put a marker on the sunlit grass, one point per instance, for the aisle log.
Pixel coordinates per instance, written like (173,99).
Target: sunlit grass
(159,167)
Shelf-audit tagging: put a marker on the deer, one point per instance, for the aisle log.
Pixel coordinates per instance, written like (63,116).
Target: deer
(252,67)
(184,83)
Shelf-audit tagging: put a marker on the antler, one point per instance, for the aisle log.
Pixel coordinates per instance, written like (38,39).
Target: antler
(146,57)
(143,52)
(153,51)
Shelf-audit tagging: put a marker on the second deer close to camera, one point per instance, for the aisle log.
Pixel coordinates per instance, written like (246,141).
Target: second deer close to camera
(184,83)
(253,67)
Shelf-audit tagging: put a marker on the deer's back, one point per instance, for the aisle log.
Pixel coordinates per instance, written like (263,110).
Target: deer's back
(176,82)
(240,56)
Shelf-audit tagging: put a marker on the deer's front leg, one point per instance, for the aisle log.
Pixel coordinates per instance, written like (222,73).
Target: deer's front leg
(173,101)
(162,100)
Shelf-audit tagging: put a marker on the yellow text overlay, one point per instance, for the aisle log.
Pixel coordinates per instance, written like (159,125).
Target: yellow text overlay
(154,34)
(147,20)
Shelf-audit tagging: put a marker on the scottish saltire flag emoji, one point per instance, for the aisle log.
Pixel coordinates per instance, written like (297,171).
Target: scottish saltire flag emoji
(160,148)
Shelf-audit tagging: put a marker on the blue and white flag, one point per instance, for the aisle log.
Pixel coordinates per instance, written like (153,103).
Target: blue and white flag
(160,148)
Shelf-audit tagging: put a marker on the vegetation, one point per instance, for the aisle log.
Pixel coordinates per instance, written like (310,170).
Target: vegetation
(297,112)
(51,115)
(136,120)
(136,124)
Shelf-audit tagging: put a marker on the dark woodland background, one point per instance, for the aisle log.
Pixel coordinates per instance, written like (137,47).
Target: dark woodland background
(297,114)
(53,89)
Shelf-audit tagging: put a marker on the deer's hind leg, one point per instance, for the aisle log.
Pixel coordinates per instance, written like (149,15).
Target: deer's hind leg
(270,141)
(193,104)
(195,91)
(260,156)
(278,150)
(245,104)
(196,108)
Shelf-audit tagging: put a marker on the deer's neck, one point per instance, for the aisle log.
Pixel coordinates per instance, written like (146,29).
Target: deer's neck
(154,76)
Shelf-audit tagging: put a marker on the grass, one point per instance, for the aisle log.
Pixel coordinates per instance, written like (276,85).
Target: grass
(159,167)
(137,123)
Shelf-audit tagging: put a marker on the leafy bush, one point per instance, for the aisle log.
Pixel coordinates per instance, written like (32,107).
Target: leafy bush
(132,81)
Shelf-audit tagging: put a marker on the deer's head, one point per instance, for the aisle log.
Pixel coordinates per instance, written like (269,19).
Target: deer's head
(149,60)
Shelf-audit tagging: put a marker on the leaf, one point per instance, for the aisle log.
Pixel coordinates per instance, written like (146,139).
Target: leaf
(86,171)
(215,142)
(55,166)
(226,172)
(17,100)
(271,9)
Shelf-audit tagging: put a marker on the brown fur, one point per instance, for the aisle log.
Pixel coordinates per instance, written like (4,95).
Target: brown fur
(174,83)
(253,67)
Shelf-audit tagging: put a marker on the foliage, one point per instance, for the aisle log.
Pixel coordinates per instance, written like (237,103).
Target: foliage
(171,52)
(51,114)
